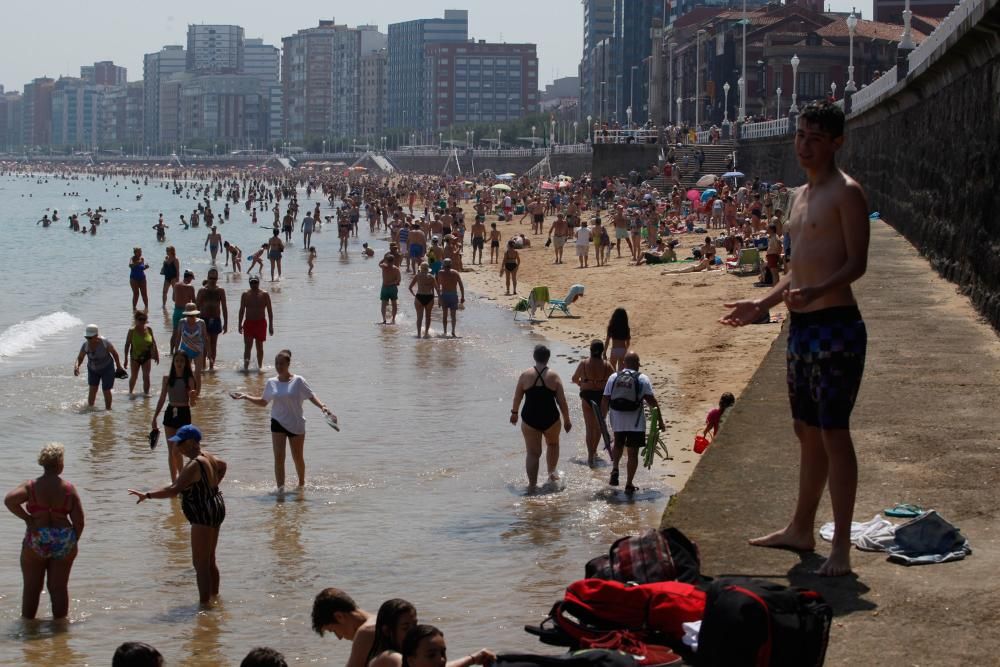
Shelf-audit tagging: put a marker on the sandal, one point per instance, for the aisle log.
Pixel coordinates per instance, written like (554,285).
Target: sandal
(904,511)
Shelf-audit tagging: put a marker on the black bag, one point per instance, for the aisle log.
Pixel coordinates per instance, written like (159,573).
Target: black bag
(664,555)
(755,623)
(626,391)
(585,658)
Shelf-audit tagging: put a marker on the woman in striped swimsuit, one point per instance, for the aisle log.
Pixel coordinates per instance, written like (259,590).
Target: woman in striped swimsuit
(201,502)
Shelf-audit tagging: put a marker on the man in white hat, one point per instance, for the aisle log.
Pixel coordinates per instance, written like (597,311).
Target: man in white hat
(102,364)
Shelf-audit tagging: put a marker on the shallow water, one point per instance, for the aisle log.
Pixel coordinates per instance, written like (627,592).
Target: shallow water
(420,496)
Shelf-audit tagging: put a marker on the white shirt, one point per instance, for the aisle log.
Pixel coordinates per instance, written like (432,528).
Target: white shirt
(286,402)
(628,421)
(583,236)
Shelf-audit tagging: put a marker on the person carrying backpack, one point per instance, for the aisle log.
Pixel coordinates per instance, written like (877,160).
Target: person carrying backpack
(624,394)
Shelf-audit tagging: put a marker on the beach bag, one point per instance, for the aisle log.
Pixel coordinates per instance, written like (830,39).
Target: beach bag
(586,658)
(626,392)
(656,555)
(755,623)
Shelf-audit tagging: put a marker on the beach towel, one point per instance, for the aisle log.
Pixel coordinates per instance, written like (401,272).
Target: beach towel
(875,535)
(928,539)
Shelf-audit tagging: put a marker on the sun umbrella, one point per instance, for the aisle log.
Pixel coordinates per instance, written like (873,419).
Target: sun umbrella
(548,186)
(501,186)
(693,194)
(706,180)
(733,174)
(777,186)
(564,177)
(505,177)
(708,194)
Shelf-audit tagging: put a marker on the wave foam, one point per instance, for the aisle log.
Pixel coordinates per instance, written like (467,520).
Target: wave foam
(26,335)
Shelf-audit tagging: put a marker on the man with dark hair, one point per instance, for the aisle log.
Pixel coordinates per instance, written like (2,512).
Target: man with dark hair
(335,611)
(262,656)
(827,341)
(136,654)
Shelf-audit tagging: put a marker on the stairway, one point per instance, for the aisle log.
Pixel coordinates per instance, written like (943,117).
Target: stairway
(716,159)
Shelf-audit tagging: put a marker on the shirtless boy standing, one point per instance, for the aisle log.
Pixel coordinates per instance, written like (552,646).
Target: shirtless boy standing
(390,286)
(827,340)
(211,302)
(449,283)
(183,293)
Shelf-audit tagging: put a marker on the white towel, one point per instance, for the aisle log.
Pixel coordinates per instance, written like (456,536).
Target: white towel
(691,632)
(875,535)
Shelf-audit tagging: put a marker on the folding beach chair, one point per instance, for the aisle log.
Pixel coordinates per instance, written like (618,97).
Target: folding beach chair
(747,262)
(537,298)
(562,305)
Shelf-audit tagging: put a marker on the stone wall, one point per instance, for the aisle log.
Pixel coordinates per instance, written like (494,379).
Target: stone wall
(617,159)
(928,157)
(571,164)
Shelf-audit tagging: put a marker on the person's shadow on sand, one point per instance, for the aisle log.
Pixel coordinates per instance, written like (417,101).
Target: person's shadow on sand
(844,594)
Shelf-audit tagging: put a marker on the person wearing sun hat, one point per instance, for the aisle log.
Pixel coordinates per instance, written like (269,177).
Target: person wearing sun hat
(202,504)
(193,337)
(103,364)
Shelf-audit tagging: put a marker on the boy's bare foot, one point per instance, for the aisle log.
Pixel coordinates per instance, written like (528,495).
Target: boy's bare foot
(837,565)
(786,538)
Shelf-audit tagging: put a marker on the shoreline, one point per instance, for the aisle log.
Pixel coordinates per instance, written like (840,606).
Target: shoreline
(689,357)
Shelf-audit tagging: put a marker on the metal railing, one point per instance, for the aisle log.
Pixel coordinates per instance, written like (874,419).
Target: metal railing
(704,136)
(768,128)
(866,97)
(948,26)
(637,136)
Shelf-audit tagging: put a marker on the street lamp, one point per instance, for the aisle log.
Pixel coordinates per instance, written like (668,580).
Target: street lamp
(324,147)
(679,100)
(741,82)
(906,40)
(499,141)
(833,90)
(777,109)
(574,131)
(795,84)
(852,24)
(590,129)
(725,89)
(628,114)
(618,97)
(604,101)
(532,136)
(697,80)
(670,92)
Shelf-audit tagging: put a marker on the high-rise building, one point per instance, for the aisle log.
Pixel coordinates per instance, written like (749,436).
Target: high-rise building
(104,73)
(407,66)
(215,49)
(598,25)
(479,81)
(36,112)
(10,121)
(121,121)
(632,44)
(76,111)
(372,83)
(157,68)
(264,62)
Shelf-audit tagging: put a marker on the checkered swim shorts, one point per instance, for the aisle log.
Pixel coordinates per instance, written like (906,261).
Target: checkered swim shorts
(826,359)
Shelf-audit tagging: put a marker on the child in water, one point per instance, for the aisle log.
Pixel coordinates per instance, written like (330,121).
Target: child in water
(312,259)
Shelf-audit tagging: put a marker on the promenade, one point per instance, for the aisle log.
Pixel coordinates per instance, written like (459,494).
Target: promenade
(925,430)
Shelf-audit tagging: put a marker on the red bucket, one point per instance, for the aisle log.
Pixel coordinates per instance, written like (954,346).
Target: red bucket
(700,444)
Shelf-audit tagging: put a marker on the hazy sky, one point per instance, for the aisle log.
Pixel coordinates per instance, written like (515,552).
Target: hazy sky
(54,38)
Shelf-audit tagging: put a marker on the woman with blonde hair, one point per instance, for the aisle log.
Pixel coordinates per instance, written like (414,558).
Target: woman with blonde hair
(51,509)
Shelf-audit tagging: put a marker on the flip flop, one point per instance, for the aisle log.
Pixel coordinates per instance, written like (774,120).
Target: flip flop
(904,511)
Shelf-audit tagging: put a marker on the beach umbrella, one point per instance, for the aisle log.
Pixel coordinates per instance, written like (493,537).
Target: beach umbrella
(548,186)
(505,177)
(563,184)
(706,180)
(564,177)
(734,174)
(501,186)
(708,194)
(693,194)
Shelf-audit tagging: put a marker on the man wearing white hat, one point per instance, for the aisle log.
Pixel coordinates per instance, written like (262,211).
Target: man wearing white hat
(103,364)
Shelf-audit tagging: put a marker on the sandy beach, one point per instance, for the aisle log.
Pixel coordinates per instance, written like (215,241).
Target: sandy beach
(690,357)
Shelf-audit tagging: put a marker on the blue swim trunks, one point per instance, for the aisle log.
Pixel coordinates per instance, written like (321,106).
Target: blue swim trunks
(825,360)
(449,300)
(416,250)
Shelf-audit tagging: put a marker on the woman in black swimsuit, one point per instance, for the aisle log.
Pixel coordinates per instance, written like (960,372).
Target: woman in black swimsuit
(592,374)
(201,502)
(170,271)
(423,297)
(509,265)
(544,399)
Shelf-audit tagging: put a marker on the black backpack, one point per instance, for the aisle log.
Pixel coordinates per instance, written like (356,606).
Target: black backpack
(620,398)
(755,623)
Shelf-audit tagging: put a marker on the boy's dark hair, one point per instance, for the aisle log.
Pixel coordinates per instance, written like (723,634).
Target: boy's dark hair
(826,115)
(262,656)
(136,654)
(327,603)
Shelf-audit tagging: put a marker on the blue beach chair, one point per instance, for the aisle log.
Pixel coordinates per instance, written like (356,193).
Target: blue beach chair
(562,305)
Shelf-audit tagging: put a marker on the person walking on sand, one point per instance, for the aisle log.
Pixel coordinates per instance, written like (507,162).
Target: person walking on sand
(558,233)
(103,364)
(53,514)
(592,375)
(449,283)
(544,400)
(423,298)
(827,340)
(255,321)
(583,244)
(202,504)
(286,392)
(624,393)
(391,278)
(511,263)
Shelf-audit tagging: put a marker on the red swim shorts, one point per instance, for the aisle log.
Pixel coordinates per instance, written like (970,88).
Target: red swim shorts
(256,329)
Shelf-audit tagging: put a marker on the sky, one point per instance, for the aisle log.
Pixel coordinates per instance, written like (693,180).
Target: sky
(56,37)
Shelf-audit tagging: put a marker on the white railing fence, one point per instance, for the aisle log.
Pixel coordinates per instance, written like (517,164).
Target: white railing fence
(637,136)
(768,128)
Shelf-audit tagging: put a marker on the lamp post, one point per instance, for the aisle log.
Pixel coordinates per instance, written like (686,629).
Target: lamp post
(743,67)
(852,24)
(697,80)
(590,129)
(777,109)
(795,84)
(499,142)
(604,102)
(725,90)
(906,40)
(552,133)
(618,97)
(833,90)
(679,101)
(574,132)
(324,147)
(741,82)
(532,137)
(670,88)
(631,92)
(628,114)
